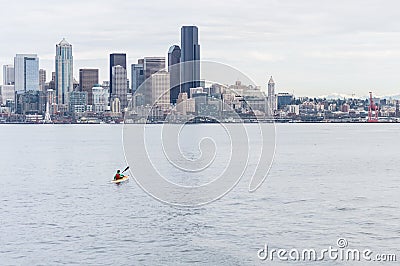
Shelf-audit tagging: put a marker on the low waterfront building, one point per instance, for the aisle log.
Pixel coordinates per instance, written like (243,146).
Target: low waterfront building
(30,102)
(294,109)
(116,106)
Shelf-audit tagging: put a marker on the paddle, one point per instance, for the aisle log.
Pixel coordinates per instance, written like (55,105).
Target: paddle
(125,169)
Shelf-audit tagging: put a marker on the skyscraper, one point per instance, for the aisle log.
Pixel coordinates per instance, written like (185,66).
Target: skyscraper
(137,76)
(7,93)
(190,56)
(119,85)
(271,95)
(100,99)
(87,79)
(174,58)
(116,59)
(42,79)
(160,86)
(8,75)
(26,72)
(152,65)
(64,80)
(271,87)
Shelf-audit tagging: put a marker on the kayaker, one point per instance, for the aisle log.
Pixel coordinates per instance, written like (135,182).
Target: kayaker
(118,175)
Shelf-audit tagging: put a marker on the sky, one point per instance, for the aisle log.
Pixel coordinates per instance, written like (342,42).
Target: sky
(310,47)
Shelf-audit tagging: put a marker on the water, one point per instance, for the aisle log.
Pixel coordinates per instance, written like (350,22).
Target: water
(327,181)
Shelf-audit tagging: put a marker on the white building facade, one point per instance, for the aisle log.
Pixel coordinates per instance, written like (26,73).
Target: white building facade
(26,72)
(160,90)
(119,85)
(8,75)
(100,99)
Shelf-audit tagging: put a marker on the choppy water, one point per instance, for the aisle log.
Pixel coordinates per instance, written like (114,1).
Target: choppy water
(327,181)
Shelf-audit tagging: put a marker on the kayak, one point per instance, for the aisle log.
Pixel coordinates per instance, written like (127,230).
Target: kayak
(125,178)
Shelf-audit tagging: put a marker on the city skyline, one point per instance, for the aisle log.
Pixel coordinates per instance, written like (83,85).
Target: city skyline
(312,48)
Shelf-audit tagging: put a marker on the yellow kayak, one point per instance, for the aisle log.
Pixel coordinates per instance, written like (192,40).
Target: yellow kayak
(125,178)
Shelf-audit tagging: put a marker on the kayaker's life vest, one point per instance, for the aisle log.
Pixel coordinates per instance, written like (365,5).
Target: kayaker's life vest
(117,176)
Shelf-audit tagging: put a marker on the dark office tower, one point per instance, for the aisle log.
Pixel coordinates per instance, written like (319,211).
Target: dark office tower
(174,58)
(116,59)
(190,56)
(87,79)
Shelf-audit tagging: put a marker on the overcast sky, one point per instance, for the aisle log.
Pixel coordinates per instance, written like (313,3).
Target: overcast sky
(311,47)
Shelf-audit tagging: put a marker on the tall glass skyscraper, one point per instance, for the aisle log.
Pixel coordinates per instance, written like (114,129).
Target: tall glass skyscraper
(64,80)
(116,59)
(190,57)
(26,72)
(137,76)
(174,58)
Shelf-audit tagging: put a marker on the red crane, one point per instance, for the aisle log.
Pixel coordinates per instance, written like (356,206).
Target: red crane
(372,108)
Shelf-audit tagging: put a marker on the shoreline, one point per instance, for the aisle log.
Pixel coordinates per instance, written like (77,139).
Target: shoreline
(208,123)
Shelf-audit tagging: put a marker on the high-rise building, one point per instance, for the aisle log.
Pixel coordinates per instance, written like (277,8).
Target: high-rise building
(26,72)
(271,95)
(51,85)
(160,85)
(88,78)
(152,65)
(100,99)
(51,102)
(190,57)
(119,85)
(283,99)
(42,79)
(7,93)
(8,75)
(30,102)
(271,87)
(137,76)
(116,59)
(64,80)
(174,58)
